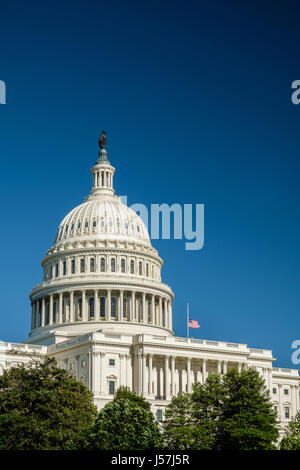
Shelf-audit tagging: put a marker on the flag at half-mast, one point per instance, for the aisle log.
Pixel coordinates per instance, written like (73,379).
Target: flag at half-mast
(193,324)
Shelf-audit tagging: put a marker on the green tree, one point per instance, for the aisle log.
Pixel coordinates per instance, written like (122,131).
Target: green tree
(126,423)
(230,412)
(178,431)
(43,407)
(248,420)
(291,438)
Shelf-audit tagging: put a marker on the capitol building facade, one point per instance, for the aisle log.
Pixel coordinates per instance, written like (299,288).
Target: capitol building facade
(103,312)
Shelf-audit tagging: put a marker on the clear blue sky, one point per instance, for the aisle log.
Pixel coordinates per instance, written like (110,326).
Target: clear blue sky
(203,86)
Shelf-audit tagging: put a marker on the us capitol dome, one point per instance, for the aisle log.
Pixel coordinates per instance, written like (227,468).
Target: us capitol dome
(101,272)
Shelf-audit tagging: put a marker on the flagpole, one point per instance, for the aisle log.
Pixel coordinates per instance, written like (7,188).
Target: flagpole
(187,320)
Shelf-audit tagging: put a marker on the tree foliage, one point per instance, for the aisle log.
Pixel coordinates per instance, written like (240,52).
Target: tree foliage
(230,412)
(43,407)
(291,438)
(126,423)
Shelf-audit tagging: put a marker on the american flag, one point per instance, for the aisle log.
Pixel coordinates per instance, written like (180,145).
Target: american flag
(193,324)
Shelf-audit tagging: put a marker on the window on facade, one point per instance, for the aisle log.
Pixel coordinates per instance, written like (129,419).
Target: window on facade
(140,268)
(92,265)
(287,412)
(102,264)
(94,223)
(91,306)
(79,225)
(50,272)
(149,311)
(286,392)
(124,307)
(64,268)
(274,390)
(113,265)
(82,265)
(102,179)
(111,387)
(56,270)
(159,415)
(79,307)
(111,362)
(113,307)
(147,270)
(275,409)
(47,313)
(132,266)
(54,312)
(123,265)
(86,224)
(73,266)
(102,307)
(72,227)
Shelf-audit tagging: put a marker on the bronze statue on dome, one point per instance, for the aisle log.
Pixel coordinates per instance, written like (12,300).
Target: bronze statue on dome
(102,140)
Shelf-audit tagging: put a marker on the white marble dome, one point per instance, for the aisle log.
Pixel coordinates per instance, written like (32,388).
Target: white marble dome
(102,218)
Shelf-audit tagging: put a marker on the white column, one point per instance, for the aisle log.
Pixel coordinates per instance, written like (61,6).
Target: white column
(188,371)
(121,318)
(144,308)
(144,388)
(150,375)
(203,370)
(167,378)
(33,321)
(102,378)
(84,313)
(160,321)
(219,366)
(51,310)
(60,308)
(71,306)
(152,310)
(96,303)
(43,311)
(37,313)
(239,367)
(170,316)
(173,375)
(225,367)
(133,306)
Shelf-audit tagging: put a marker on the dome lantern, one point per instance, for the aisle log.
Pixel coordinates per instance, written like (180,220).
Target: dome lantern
(102,172)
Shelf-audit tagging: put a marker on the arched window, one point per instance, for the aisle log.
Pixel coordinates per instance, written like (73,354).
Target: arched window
(113,307)
(56,270)
(140,268)
(82,266)
(102,307)
(64,268)
(123,265)
(94,223)
(73,266)
(113,265)
(91,307)
(92,265)
(147,270)
(86,224)
(132,266)
(102,179)
(102,265)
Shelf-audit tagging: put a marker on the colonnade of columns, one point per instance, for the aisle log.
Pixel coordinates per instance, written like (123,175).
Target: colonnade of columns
(99,304)
(166,376)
